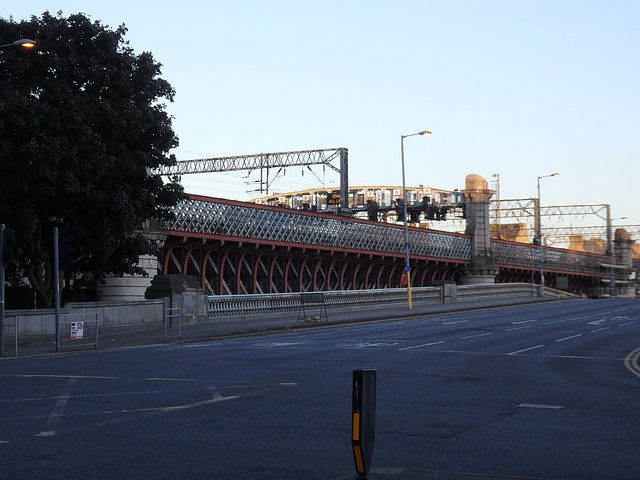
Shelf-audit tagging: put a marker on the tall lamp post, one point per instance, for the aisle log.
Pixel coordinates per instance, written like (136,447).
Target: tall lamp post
(23,42)
(407,266)
(498,212)
(539,237)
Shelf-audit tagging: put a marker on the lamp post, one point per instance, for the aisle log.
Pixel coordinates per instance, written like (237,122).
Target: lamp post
(497,177)
(23,42)
(407,266)
(539,237)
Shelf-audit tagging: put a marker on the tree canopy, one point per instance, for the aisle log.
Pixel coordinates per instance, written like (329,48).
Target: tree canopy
(82,128)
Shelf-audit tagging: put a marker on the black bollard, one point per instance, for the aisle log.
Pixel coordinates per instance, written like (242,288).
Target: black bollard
(363,424)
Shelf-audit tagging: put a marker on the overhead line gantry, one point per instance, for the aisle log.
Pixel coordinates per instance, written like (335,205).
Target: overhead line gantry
(266,161)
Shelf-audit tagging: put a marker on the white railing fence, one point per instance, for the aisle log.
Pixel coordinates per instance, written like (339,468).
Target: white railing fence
(234,305)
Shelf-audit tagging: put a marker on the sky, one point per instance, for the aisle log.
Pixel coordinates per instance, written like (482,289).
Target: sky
(516,88)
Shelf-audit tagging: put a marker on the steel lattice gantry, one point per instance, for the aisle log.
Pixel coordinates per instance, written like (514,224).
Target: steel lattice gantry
(260,161)
(237,247)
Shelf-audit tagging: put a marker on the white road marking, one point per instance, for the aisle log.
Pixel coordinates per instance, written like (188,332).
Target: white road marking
(76,377)
(367,345)
(600,329)
(58,408)
(453,323)
(478,335)
(276,344)
(523,321)
(568,338)
(419,346)
(598,322)
(525,350)
(624,324)
(499,354)
(518,328)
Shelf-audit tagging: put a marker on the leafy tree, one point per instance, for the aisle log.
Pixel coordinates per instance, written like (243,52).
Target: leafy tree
(82,128)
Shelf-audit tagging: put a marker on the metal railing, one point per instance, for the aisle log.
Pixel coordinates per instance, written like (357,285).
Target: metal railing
(255,304)
(524,255)
(10,337)
(228,218)
(173,323)
(79,330)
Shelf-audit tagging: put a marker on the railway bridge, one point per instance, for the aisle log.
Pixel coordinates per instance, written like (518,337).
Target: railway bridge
(237,247)
(234,247)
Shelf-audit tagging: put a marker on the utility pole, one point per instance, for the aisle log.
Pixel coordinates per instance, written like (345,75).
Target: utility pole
(56,277)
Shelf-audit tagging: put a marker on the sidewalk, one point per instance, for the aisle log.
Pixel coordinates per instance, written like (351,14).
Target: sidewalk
(228,327)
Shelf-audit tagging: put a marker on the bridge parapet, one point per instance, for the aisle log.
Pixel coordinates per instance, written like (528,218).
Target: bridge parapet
(528,256)
(239,220)
(214,217)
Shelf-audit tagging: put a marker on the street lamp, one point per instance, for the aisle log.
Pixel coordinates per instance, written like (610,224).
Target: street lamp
(23,42)
(539,237)
(407,266)
(498,212)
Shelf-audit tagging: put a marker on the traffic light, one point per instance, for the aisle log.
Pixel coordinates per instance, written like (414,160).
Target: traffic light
(10,251)
(66,248)
(399,210)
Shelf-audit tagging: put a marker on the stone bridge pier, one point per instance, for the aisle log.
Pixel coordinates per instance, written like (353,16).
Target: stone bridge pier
(477,196)
(622,250)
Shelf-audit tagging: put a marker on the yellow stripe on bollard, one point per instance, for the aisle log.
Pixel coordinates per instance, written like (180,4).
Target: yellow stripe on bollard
(355,435)
(357,454)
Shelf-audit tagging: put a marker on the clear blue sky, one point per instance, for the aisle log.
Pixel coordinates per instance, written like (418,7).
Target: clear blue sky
(515,87)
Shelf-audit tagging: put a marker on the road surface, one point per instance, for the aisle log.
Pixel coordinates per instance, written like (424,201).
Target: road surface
(545,391)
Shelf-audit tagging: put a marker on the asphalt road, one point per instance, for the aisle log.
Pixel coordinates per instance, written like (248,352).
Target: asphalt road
(546,391)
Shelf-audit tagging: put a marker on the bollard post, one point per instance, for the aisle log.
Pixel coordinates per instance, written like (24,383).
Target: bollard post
(363,423)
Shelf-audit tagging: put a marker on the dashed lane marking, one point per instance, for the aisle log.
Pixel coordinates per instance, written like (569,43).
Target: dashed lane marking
(525,350)
(569,338)
(58,408)
(420,346)
(478,335)
(555,321)
(518,328)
